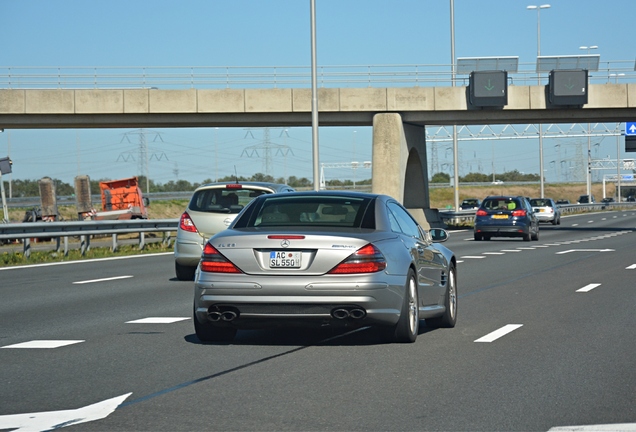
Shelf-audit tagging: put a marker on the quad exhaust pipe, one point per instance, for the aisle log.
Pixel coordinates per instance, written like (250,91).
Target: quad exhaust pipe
(344,313)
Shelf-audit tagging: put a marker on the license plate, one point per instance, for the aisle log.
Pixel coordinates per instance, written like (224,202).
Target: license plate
(542,210)
(284,259)
(500,216)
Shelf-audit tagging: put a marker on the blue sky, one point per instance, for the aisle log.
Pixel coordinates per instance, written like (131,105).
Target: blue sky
(277,33)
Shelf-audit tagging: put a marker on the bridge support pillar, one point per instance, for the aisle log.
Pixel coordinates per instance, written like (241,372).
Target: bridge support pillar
(400,166)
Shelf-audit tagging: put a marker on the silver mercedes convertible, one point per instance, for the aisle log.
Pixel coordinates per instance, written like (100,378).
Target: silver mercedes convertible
(325,258)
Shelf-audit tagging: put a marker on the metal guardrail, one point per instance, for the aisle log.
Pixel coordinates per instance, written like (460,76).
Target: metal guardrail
(219,77)
(464,217)
(85,229)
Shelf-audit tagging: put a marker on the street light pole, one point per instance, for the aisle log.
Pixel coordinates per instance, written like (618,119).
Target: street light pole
(455,144)
(538,9)
(618,148)
(588,176)
(314,98)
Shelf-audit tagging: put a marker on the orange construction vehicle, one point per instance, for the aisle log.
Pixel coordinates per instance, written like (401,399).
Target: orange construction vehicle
(122,199)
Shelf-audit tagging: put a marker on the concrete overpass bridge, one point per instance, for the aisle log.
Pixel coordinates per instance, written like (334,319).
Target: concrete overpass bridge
(398,116)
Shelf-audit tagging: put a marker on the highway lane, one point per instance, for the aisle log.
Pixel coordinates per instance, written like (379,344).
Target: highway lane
(567,361)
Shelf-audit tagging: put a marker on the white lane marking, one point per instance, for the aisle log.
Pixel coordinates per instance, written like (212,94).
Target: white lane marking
(86,261)
(526,248)
(473,256)
(541,246)
(584,250)
(101,280)
(490,337)
(49,420)
(596,428)
(589,287)
(494,253)
(158,320)
(631,267)
(553,244)
(575,224)
(510,250)
(459,261)
(44,344)
(590,221)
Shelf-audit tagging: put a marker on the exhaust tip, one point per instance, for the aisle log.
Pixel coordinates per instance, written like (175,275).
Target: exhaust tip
(228,315)
(214,316)
(340,313)
(357,313)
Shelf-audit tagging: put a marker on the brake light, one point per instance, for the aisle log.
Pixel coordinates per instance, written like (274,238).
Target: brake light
(367,259)
(519,213)
(186,224)
(286,237)
(234,186)
(481,212)
(212,261)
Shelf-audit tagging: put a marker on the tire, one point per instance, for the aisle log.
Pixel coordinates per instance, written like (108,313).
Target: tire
(449,319)
(526,237)
(208,332)
(535,237)
(184,273)
(555,221)
(487,237)
(478,237)
(408,326)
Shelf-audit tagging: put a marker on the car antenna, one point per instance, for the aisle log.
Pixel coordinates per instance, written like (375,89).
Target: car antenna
(236,175)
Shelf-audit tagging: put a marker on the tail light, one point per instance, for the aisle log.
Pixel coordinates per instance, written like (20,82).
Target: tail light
(367,259)
(519,213)
(481,212)
(212,261)
(186,223)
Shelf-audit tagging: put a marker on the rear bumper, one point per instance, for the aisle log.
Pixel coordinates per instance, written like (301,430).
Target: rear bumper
(260,302)
(188,252)
(503,231)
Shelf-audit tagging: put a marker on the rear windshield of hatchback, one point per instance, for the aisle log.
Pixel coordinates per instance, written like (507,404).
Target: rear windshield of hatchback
(540,203)
(502,204)
(223,200)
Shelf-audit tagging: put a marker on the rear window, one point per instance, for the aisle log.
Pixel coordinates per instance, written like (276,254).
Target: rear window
(318,211)
(223,200)
(502,204)
(539,203)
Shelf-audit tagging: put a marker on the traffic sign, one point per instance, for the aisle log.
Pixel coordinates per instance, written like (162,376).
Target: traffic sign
(568,87)
(630,128)
(488,88)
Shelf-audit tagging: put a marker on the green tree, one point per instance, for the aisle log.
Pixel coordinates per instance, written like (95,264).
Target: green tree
(440,177)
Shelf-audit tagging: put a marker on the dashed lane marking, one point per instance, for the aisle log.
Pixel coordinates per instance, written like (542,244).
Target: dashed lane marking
(490,337)
(589,287)
(158,320)
(44,344)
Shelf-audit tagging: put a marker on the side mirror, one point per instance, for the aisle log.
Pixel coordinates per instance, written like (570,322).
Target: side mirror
(438,235)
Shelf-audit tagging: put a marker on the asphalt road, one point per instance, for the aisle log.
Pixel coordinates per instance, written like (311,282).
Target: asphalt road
(562,355)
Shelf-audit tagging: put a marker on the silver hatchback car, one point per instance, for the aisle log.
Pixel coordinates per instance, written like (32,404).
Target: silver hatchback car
(212,208)
(327,258)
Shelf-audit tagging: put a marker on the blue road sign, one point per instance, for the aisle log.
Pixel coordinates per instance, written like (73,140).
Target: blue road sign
(630,128)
